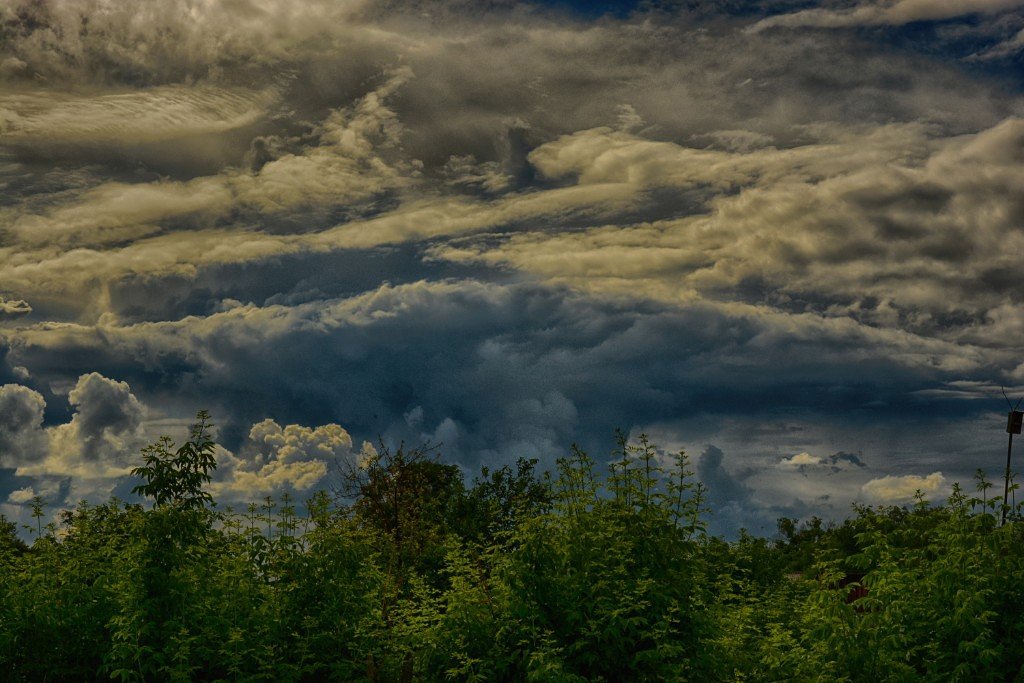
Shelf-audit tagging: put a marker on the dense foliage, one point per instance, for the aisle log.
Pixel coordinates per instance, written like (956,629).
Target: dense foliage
(409,575)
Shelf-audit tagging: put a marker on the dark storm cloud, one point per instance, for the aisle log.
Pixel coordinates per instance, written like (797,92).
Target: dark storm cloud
(508,226)
(93,446)
(496,372)
(21,421)
(796,486)
(104,410)
(723,487)
(731,502)
(839,460)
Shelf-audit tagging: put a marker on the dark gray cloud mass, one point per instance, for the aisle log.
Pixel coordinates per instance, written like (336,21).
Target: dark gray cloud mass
(788,229)
(21,421)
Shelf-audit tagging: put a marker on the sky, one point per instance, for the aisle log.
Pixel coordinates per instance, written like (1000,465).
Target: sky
(782,235)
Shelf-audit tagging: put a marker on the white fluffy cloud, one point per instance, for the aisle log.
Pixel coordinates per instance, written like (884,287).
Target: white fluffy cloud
(887,220)
(13,308)
(343,166)
(800,460)
(21,496)
(901,489)
(97,448)
(276,458)
(294,443)
(102,438)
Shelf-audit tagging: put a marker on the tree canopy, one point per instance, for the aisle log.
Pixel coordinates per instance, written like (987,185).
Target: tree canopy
(411,574)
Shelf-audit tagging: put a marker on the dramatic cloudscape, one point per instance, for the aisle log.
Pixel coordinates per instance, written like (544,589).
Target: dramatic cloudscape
(783,235)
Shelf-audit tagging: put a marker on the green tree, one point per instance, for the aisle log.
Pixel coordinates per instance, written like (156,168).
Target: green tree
(500,500)
(176,477)
(610,584)
(152,634)
(409,498)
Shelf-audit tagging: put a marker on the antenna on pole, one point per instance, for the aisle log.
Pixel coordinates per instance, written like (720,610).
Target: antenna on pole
(1014,421)
(1013,406)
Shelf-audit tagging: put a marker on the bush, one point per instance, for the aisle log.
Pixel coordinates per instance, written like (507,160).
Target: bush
(576,577)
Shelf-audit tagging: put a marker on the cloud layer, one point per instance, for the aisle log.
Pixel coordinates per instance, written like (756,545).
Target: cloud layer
(790,230)
(891,13)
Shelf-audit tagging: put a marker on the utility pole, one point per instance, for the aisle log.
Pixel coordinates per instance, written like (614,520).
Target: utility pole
(1014,421)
